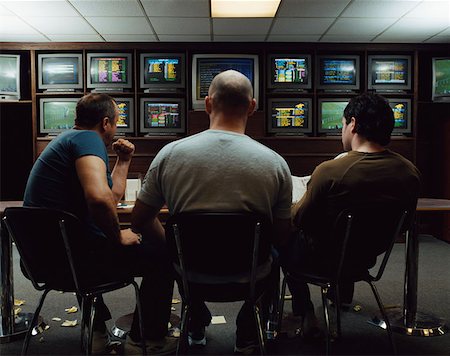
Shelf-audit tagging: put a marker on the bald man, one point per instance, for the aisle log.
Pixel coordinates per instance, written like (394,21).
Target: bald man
(220,169)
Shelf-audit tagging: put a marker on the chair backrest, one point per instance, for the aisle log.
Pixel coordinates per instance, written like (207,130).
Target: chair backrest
(219,243)
(46,254)
(362,234)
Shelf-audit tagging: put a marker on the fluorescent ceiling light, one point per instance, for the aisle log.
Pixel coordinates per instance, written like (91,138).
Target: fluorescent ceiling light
(244,8)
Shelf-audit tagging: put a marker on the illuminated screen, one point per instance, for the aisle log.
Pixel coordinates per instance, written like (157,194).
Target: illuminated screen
(9,74)
(289,116)
(109,70)
(290,70)
(162,115)
(125,113)
(389,71)
(162,70)
(60,70)
(400,110)
(337,71)
(57,115)
(331,113)
(441,80)
(208,68)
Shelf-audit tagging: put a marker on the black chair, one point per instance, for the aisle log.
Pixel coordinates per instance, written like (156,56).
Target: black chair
(52,245)
(355,253)
(219,245)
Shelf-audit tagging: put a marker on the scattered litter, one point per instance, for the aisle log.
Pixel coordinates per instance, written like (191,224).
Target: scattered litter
(169,325)
(18,302)
(71,310)
(218,319)
(172,308)
(392,306)
(357,308)
(39,329)
(69,323)
(174,332)
(41,339)
(17,311)
(176,301)
(56,319)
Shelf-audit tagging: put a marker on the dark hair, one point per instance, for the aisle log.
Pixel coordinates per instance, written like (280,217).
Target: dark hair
(373,115)
(92,108)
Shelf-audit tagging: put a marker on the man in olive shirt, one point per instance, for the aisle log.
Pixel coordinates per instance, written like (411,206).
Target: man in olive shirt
(369,174)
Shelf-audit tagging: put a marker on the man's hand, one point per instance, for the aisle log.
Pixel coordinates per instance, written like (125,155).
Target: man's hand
(124,149)
(128,237)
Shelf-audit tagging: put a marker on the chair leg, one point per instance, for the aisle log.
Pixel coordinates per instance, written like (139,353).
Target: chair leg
(338,311)
(281,305)
(141,322)
(385,317)
(90,326)
(259,328)
(327,319)
(26,342)
(183,343)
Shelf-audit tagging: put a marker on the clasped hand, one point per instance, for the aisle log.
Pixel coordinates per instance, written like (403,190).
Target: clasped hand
(124,149)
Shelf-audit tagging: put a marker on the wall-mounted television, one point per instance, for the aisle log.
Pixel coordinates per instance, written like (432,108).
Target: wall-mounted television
(402,116)
(56,115)
(162,72)
(289,72)
(329,115)
(9,77)
(389,73)
(60,71)
(206,66)
(125,123)
(109,71)
(338,73)
(162,116)
(289,116)
(441,79)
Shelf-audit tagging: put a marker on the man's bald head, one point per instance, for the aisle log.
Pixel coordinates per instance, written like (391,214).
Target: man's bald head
(231,93)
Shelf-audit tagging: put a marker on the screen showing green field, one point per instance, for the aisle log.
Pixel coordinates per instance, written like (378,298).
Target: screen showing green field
(332,112)
(59,115)
(442,76)
(8,74)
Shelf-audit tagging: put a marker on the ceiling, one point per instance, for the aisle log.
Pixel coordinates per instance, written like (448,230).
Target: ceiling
(378,21)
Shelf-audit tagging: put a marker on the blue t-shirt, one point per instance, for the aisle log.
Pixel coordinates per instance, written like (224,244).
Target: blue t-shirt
(53,180)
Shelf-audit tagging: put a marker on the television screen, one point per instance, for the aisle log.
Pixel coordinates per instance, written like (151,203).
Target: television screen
(330,115)
(125,123)
(162,71)
(289,116)
(389,73)
(162,116)
(289,72)
(9,76)
(109,70)
(60,71)
(402,115)
(338,73)
(441,79)
(56,114)
(206,66)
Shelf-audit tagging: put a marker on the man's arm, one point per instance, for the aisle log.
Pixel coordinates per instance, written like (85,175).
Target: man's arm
(100,199)
(124,150)
(144,219)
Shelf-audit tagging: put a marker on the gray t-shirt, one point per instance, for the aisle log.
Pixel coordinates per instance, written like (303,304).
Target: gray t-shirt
(222,171)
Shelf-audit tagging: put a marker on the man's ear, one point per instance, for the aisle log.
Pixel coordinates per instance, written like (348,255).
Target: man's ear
(208,104)
(353,124)
(105,122)
(252,107)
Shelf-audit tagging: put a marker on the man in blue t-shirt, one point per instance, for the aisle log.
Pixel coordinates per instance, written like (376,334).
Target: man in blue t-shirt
(73,174)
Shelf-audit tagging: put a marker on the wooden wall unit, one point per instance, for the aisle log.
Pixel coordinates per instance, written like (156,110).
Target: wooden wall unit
(428,146)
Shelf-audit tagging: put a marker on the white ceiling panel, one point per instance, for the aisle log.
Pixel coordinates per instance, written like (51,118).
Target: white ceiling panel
(311,8)
(75,38)
(431,9)
(185,38)
(241,26)
(180,25)
(120,25)
(176,8)
(5,12)
(22,38)
(293,38)
(40,8)
(439,39)
(60,25)
(108,7)
(130,38)
(301,26)
(366,26)
(12,25)
(242,38)
(346,38)
(419,27)
(379,8)
(400,39)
